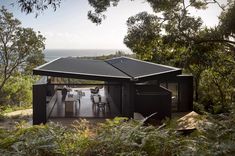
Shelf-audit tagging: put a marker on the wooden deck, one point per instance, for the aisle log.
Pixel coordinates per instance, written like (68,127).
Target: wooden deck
(85,109)
(69,122)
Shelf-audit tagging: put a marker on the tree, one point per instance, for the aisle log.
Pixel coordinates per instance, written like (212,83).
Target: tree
(37,6)
(176,21)
(17,91)
(173,36)
(20,48)
(226,25)
(143,35)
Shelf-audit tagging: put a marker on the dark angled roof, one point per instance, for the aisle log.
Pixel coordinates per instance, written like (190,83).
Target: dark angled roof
(137,68)
(122,68)
(76,66)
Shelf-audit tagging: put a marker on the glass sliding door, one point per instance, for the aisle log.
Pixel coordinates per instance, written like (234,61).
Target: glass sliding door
(173,87)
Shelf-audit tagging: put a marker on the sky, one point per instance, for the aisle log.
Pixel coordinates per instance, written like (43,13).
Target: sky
(69,28)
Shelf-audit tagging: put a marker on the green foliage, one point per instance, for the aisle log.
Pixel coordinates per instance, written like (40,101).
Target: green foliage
(51,139)
(110,56)
(174,37)
(37,6)
(132,138)
(20,51)
(120,137)
(216,90)
(20,48)
(143,35)
(217,136)
(2,117)
(18,91)
(227,21)
(100,6)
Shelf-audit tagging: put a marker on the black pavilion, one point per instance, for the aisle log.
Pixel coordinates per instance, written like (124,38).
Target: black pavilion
(133,85)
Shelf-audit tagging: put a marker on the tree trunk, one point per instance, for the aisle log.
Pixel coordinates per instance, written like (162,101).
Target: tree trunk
(2,84)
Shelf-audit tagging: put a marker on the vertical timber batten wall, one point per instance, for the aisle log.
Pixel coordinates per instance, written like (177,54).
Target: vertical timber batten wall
(114,91)
(39,101)
(128,95)
(186,92)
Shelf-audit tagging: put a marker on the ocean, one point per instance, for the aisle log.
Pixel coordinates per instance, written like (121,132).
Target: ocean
(51,54)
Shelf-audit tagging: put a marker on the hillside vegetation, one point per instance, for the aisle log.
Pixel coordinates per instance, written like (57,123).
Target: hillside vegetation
(121,137)
(170,36)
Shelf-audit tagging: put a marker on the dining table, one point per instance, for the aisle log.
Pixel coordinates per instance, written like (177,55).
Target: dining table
(71,100)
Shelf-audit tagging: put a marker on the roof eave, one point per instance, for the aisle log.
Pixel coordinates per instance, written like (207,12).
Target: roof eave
(43,65)
(79,75)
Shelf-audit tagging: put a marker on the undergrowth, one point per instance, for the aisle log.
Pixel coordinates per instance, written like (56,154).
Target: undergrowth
(120,137)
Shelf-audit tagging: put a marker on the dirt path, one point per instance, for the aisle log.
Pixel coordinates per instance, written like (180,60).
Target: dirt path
(19,113)
(12,118)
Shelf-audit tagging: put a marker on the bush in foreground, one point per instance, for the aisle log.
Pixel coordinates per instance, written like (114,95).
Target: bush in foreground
(120,137)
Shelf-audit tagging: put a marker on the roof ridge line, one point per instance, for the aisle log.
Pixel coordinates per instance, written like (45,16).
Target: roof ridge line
(152,63)
(132,78)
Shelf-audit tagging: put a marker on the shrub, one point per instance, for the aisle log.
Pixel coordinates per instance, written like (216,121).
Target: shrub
(120,137)
(17,91)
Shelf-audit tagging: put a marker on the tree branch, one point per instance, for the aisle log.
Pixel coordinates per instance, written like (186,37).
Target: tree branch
(184,5)
(216,2)
(9,73)
(189,5)
(215,40)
